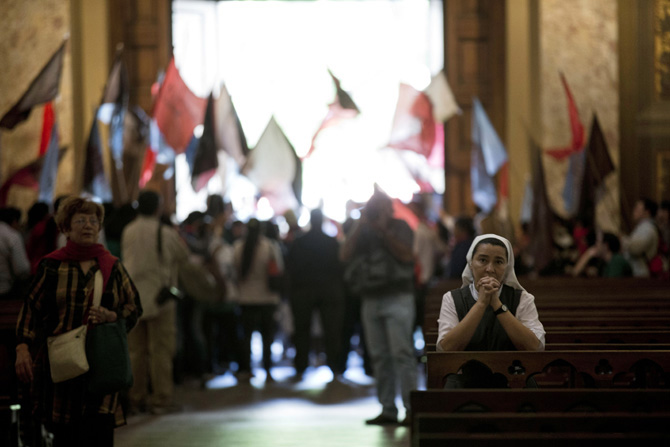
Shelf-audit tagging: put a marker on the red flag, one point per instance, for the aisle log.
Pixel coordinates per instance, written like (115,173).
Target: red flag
(343,107)
(47,127)
(413,124)
(576,128)
(177,110)
(147,166)
(51,155)
(403,212)
(44,88)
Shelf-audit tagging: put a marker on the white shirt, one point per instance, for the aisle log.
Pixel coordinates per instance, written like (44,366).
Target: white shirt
(139,250)
(253,289)
(526,313)
(14,262)
(640,247)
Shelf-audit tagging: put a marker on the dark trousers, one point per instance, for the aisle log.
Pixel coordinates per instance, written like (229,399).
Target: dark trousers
(257,318)
(330,305)
(93,430)
(351,324)
(221,326)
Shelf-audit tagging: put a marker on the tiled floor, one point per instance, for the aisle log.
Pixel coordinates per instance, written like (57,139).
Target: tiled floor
(313,412)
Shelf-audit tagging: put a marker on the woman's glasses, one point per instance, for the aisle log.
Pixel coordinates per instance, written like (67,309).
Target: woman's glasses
(81,222)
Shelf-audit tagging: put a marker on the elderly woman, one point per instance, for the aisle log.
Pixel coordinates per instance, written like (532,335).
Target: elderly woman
(491,312)
(59,300)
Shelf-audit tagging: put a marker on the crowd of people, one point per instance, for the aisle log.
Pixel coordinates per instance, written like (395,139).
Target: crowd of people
(194,292)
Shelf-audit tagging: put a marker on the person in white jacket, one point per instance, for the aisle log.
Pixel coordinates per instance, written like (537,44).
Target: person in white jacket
(152,262)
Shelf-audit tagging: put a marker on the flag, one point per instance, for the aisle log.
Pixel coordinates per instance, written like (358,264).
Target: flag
(413,123)
(49,171)
(343,107)
(527,203)
(206,161)
(42,89)
(597,165)
(136,137)
(228,128)
(95,180)
(275,169)
(47,127)
(113,107)
(598,156)
(573,182)
(576,127)
(483,188)
(403,212)
(28,177)
(487,157)
(442,98)
(541,225)
(177,110)
(112,112)
(25,177)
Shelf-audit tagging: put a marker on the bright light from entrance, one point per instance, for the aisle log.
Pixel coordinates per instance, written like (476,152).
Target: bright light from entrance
(274,59)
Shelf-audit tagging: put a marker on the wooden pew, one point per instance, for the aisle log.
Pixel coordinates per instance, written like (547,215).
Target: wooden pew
(605,335)
(594,347)
(522,400)
(606,369)
(571,439)
(592,335)
(555,293)
(444,417)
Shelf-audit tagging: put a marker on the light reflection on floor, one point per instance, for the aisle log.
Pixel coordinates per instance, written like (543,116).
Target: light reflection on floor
(316,410)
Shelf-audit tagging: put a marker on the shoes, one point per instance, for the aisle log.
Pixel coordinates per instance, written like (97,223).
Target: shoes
(382,419)
(407,421)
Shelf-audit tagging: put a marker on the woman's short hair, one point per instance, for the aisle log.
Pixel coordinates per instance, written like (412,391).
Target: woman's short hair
(73,205)
(490,241)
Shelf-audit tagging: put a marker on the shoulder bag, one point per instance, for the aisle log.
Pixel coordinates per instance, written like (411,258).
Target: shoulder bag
(107,352)
(67,352)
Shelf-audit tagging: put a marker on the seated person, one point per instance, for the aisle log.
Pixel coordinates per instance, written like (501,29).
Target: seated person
(608,250)
(491,312)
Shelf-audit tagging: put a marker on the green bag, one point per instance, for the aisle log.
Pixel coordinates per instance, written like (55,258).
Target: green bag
(108,358)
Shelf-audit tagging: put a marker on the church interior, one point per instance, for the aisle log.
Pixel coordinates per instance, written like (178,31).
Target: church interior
(518,58)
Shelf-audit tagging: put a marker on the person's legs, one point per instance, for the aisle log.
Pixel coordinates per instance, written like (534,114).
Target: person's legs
(247,321)
(331,310)
(138,347)
(267,330)
(301,308)
(380,353)
(399,320)
(162,342)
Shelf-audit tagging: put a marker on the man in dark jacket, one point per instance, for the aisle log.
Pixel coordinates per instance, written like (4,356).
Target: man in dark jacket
(315,281)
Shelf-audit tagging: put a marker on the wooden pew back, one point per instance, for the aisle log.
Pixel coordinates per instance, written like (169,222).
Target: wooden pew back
(600,369)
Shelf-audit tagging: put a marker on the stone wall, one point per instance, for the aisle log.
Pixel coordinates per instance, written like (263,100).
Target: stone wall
(30,32)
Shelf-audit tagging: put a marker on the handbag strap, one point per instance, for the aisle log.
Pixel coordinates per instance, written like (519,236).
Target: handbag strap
(97,289)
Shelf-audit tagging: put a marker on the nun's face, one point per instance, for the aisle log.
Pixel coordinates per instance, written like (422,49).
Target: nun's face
(489,261)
